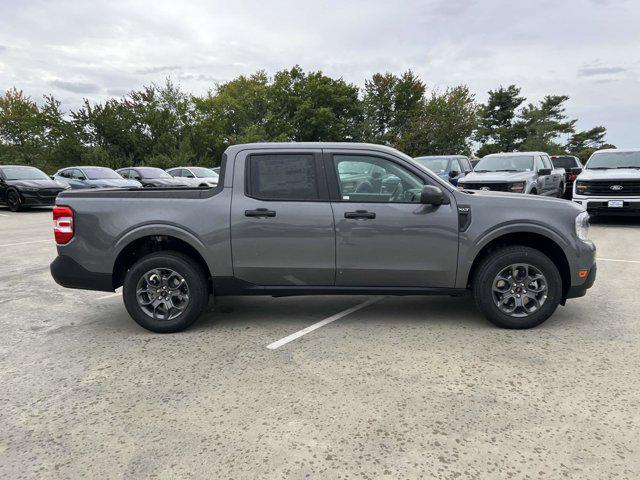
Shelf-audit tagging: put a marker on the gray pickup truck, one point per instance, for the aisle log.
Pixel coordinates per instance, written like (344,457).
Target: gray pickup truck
(518,172)
(285,219)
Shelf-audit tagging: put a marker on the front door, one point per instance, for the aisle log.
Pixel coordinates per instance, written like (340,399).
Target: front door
(384,236)
(282,229)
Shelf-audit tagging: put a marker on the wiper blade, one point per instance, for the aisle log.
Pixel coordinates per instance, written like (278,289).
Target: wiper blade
(599,168)
(482,171)
(630,166)
(508,170)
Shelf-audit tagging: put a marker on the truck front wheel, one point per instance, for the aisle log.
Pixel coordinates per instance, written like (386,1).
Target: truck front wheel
(517,287)
(165,292)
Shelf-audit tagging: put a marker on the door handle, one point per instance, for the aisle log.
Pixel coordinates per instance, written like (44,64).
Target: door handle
(260,212)
(359,214)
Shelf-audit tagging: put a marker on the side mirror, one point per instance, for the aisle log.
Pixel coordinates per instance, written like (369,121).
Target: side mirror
(544,171)
(453,173)
(52,177)
(431,195)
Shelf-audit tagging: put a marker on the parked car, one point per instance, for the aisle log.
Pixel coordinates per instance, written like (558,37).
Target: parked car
(93,177)
(572,167)
(216,170)
(474,162)
(22,187)
(451,168)
(153,177)
(283,211)
(518,172)
(610,183)
(199,176)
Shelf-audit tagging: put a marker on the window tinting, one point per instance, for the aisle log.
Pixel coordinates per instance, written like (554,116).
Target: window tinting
(284,177)
(564,162)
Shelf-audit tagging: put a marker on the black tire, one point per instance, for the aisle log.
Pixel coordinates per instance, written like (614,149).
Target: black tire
(14,200)
(533,192)
(192,274)
(493,264)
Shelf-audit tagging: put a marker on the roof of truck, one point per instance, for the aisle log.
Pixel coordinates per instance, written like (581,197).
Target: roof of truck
(618,150)
(306,145)
(516,154)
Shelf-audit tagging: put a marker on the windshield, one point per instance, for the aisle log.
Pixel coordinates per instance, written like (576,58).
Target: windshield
(24,173)
(152,172)
(565,162)
(201,172)
(435,164)
(505,163)
(100,173)
(614,160)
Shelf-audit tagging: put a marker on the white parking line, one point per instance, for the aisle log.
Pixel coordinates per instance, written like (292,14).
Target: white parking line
(26,243)
(322,323)
(4,215)
(117,294)
(616,260)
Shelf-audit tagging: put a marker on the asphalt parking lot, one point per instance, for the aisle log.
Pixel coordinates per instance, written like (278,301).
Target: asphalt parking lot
(403,387)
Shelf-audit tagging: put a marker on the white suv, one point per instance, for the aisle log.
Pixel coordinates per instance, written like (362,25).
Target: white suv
(610,183)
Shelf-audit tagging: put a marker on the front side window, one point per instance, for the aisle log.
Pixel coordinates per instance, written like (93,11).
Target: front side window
(77,175)
(364,178)
(287,177)
(539,162)
(547,162)
(455,166)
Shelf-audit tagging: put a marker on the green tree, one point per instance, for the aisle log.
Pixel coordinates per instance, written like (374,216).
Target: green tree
(498,127)
(443,125)
(21,129)
(545,123)
(583,144)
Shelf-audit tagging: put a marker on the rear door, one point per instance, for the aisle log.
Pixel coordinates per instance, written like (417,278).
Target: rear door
(384,236)
(282,228)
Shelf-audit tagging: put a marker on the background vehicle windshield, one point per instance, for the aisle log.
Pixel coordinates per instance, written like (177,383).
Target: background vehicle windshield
(152,172)
(100,173)
(435,164)
(565,162)
(201,172)
(614,160)
(506,163)
(24,173)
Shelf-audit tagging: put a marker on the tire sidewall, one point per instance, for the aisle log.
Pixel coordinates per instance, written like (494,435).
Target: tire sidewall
(483,286)
(193,276)
(17,207)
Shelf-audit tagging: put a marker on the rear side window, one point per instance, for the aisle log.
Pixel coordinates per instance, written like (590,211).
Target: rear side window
(283,177)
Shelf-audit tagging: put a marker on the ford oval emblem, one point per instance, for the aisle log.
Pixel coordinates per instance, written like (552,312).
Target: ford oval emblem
(485,188)
(616,187)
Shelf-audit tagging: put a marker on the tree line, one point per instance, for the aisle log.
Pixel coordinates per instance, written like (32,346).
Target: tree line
(162,125)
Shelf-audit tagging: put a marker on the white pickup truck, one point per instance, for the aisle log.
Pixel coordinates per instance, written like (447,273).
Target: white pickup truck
(610,183)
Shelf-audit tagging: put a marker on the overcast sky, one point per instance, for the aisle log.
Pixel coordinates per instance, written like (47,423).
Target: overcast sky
(587,49)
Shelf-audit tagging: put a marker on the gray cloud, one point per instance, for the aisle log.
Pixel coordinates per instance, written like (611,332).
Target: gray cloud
(593,71)
(76,87)
(101,49)
(3,48)
(160,69)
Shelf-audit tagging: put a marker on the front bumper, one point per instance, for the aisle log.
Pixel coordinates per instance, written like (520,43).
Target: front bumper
(576,291)
(600,205)
(37,198)
(70,274)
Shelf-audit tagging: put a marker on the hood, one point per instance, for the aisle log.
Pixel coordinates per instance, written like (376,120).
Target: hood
(526,201)
(610,174)
(167,182)
(44,183)
(482,177)
(113,182)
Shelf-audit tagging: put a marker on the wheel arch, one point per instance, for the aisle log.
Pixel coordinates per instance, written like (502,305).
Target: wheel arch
(138,244)
(546,242)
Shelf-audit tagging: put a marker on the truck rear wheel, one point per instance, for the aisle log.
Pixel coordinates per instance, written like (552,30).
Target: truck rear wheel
(517,287)
(165,292)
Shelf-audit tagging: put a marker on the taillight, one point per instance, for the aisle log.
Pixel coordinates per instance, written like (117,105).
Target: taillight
(62,224)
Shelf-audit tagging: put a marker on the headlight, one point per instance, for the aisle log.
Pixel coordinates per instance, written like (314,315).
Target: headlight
(581,187)
(582,226)
(518,187)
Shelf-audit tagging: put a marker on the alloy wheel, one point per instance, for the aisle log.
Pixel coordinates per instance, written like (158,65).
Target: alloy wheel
(520,290)
(162,294)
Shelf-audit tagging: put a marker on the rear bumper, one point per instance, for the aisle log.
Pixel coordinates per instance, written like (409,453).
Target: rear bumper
(70,274)
(580,290)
